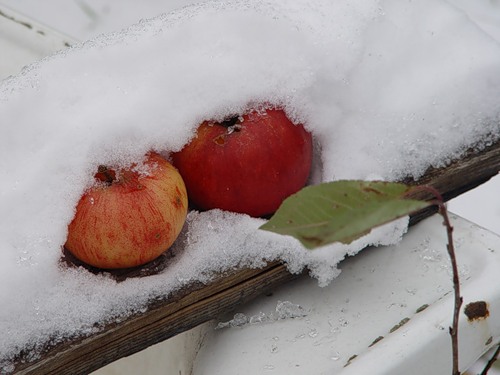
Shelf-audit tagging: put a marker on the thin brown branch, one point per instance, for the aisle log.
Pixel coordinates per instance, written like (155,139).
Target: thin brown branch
(492,360)
(456,287)
(458,300)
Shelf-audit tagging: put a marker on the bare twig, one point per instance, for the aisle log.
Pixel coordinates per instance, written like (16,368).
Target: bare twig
(456,286)
(492,360)
(439,201)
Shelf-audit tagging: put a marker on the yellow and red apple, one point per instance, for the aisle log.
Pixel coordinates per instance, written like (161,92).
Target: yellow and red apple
(247,164)
(129,217)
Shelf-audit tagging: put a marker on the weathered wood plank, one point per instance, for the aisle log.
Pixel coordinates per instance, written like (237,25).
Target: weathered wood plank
(163,320)
(200,303)
(460,176)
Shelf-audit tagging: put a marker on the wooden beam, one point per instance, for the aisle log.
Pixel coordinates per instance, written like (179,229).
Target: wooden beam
(164,319)
(460,176)
(200,303)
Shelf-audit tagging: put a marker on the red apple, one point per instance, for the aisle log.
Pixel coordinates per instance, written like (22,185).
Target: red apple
(246,164)
(129,217)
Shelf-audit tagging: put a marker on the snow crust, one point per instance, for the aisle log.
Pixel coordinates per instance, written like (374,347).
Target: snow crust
(388,88)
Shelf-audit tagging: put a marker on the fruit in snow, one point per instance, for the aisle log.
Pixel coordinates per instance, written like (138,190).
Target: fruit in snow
(129,217)
(246,164)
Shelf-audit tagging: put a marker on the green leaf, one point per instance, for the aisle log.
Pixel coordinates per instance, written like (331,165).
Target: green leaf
(341,211)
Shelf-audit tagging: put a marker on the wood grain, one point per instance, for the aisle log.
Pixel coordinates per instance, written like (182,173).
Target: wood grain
(200,303)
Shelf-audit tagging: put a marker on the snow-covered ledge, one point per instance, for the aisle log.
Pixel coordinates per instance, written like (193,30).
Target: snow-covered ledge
(199,303)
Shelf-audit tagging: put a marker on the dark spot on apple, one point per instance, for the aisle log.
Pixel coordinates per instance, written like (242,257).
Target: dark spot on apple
(157,236)
(177,202)
(220,140)
(476,311)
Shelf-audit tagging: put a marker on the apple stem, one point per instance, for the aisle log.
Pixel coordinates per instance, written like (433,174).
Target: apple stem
(232,124)
(229,122)
(105,174)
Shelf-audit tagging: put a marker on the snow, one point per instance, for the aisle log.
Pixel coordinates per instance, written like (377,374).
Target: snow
(388,89)
(283,310)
